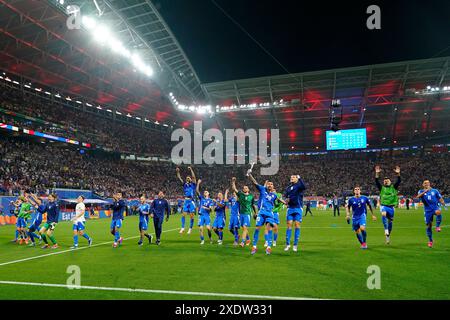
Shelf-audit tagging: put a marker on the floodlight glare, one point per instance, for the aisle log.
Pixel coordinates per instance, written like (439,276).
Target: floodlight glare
(88,22)
(102,34)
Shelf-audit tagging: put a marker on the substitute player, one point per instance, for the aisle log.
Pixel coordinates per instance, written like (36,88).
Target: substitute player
(79,222)
(267,197)
(119,206)
(204,220)
(388,199)
(144,212)
(189,205)
(358,205)
(246,209)
(48,229)
(431,198)
(294,199)
(233,225)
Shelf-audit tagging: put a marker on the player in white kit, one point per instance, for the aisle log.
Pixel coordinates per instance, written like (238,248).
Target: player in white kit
(79,223)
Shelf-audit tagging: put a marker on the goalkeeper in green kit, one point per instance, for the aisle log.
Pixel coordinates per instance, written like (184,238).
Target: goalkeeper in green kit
(388,199)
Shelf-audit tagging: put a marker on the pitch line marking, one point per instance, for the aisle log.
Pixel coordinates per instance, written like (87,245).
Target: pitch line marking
(193,293)
(71,250)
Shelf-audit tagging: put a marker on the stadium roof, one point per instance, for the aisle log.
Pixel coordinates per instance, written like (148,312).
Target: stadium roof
(381,98)
(36,44)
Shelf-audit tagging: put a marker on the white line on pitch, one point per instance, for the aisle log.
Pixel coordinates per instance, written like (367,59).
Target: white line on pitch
(192,293)
(70,250)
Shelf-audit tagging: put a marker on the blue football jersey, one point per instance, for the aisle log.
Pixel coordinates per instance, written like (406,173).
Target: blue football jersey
(234,206)
(431,199)
(294,192)
(189,189)
(358,205)
(266,199)
(205,202)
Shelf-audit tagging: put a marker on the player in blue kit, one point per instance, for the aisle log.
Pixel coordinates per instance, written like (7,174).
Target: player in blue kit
(205,207)
(294,199)
(431,199)
(37,220)
(220,219)
(267,197)
(358,205)
(234,223)
(118,207)
(144,212)
(189,188)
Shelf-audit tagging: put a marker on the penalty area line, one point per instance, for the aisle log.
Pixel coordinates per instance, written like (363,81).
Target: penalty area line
(189,293)
(70,250)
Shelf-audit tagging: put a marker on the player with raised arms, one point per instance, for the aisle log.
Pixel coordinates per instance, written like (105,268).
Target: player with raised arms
(431,199)
(233,225)
(219,220)
(246,209)
(388,199)
(79,222)
(358,206)
(267,197)
(144,212)
(204,220)
(189,188)
(273,234)
(294,199)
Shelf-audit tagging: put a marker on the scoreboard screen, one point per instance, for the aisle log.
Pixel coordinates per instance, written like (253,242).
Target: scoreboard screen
(347,139)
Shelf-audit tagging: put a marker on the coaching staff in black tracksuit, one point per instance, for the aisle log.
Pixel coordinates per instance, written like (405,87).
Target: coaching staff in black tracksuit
(158,208)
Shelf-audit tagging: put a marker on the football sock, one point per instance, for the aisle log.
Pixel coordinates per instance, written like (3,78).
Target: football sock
(438,220)
(288,236)
(52,239)
(236,234)
(385,222)
(275,236)
(209,234)
(390,226)
(364,235)
(183,221)
(191,223)
(75,240)
(44,238)
(358,235)
(86,236)
(255,237)
(430,234)
(116,236)
(17,234)
(220,234)
(270,238)
(202,237)
(296,236)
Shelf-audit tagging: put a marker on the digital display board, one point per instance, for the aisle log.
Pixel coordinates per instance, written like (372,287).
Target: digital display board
(347,139)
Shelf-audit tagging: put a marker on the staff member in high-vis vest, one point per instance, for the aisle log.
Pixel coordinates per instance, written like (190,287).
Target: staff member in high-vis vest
(388,199)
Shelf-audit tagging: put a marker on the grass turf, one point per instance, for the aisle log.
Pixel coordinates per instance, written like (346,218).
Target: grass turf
(329,264)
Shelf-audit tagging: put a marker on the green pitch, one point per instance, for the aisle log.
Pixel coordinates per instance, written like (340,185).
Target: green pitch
(329,264)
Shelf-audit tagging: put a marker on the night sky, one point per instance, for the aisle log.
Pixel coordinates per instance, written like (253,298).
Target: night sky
(303,35)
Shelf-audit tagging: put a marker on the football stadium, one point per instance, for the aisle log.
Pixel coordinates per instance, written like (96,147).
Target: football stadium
(131,170)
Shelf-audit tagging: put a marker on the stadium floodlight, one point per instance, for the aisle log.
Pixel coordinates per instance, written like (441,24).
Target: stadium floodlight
(88,22)
(146,120)
(117,112)
(428,87)
(88,104)
(57,95)
(99,108)
(109,110)
(79,102)
(156,122)
(102,34)
(137,118)
(27,86)
(129,115)
(47,93)
(68,99)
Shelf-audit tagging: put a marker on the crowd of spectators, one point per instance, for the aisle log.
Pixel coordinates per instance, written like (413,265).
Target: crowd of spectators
(76,124)
(26,164)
